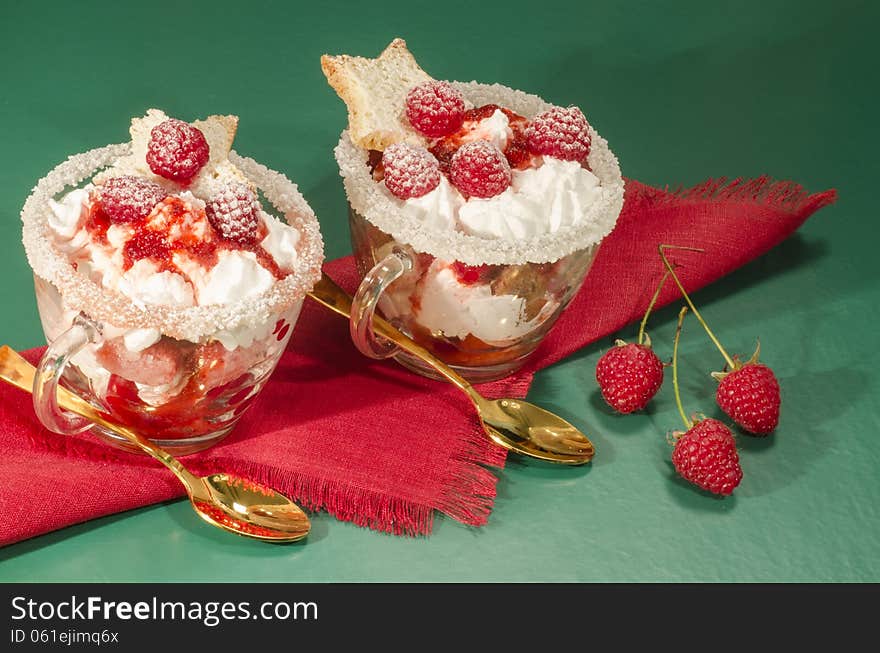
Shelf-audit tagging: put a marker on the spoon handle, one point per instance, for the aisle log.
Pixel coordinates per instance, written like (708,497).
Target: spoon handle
(16,371)
(327,293)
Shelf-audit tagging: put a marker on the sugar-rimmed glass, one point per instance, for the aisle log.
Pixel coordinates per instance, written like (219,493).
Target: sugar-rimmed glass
(186,391)
(511,292)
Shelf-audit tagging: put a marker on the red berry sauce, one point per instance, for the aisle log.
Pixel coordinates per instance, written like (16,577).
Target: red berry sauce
(147,244)
(97,223)
(177,227)
(469,274)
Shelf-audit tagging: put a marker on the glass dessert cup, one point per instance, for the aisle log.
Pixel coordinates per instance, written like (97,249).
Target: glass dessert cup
(481,304)
(483,321)
(182,377)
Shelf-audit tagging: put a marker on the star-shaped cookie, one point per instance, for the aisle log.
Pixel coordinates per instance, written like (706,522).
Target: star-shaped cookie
(374,90)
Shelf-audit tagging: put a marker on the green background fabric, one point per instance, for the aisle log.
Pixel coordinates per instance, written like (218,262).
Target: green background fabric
(682,91)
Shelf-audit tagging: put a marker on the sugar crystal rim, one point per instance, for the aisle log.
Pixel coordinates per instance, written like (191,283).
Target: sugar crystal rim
(193,323)
(367,198)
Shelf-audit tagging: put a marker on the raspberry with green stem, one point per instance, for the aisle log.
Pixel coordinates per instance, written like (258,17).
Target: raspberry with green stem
(630,374)
(748,392)
(705,454)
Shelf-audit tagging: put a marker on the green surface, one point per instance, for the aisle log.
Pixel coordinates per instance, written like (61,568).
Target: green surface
(681,92)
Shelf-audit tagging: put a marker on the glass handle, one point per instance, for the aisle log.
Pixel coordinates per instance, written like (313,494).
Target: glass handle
(49,372)
(363,307)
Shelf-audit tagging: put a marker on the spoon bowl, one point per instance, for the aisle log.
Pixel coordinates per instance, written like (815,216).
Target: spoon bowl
(227,501)
(532,431)
(246,508)
(514,424)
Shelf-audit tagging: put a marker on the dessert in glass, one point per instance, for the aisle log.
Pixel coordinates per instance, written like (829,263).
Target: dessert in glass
(167,288)
(475,211)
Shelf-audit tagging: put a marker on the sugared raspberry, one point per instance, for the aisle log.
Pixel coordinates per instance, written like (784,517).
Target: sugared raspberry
(177,150)
(234,212)
(435,108)
(561,133)
(130,199)
(480,169)
(410,171)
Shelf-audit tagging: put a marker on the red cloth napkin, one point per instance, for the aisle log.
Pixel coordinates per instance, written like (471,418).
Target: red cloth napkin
(341,433)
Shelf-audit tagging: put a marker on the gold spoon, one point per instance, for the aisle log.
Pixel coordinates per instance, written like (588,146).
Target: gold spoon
(511,423)
(223,500)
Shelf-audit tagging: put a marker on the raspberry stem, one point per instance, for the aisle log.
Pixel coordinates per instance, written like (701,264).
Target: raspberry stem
(687,298)
(651,307)
(687,423)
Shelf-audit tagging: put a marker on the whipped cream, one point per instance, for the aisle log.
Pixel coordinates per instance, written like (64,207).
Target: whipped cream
(144,283)
(281,241)
(458,309)
(438,208)
(237,275)
(139,339)
(539,200)
(67,215)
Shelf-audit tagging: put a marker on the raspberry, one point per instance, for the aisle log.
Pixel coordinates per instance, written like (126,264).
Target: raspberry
(560,133)
(629,376)
(410,171)
(130,199)
(750,395)
(234,213)
(706,456)
(480,169)
(177,150)
(435,108)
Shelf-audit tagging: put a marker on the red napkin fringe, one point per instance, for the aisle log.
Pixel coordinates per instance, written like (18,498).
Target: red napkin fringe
(468,495)
(787,196)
